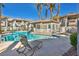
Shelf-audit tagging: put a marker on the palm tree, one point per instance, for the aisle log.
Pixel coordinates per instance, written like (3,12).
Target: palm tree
(58,11)
(39,9)
(48,6)
(1,6)
(52,7)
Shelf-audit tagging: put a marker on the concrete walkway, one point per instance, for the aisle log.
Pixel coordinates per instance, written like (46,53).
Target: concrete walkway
(4,45)
(51,47)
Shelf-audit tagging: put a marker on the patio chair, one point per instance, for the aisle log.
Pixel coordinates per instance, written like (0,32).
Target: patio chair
(28,49)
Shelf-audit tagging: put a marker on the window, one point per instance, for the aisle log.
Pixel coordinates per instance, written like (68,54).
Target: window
(38,26)
(44,26)
(57,27)
(62,22)
(53,27)
(49,26)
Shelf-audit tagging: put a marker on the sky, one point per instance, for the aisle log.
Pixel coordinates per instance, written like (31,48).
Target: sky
(29,11)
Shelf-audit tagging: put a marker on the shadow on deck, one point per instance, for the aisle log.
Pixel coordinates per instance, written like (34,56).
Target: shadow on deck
(9,48)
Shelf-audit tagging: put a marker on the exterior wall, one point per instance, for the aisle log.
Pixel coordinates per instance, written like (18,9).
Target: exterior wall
(72,25)
(69,25)
(20,25)
(73,22)
(4,25)
(55,27)
(46,28)
(64,25)
(78,37)
(9,24)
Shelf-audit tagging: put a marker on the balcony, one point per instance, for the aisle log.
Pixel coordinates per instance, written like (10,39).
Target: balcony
(72,23)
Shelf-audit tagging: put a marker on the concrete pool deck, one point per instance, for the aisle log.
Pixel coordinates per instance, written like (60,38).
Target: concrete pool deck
(51,47)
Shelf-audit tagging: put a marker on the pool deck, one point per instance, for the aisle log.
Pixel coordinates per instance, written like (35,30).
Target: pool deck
(51,47)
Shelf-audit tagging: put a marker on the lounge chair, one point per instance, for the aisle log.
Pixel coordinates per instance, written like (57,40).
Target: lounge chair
(28,49)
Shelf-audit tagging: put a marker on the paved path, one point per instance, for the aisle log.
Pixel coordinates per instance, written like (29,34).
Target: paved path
(51,47)
(4,45)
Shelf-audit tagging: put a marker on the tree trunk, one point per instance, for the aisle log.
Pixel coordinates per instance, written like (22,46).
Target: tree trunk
(51,13)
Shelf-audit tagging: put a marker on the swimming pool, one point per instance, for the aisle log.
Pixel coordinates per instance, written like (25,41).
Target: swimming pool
(15,36)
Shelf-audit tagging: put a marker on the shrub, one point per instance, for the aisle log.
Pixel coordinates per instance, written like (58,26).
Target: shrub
(73,39)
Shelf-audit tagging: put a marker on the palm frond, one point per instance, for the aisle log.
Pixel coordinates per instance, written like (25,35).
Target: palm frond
(52,7)
(47,8)
(46,13)
(39,8)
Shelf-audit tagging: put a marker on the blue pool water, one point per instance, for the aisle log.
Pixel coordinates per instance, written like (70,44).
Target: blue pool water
(15,36)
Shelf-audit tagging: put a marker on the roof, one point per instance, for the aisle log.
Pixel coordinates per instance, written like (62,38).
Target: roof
(72,15)
(45,21)
(1,17)
(54,20)
(19,19)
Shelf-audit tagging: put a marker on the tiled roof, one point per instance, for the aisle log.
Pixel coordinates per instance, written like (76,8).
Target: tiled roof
(74,15)
(2,17)
(45,21)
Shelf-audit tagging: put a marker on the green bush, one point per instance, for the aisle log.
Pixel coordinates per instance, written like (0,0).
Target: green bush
(73,39)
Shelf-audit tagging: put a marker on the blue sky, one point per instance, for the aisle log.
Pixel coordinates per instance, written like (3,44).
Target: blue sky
(28,10)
